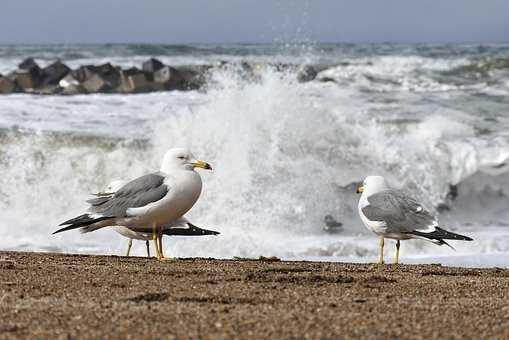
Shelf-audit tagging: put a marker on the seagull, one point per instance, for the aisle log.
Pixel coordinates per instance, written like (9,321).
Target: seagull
(150,201)
(392,214)
(180,226)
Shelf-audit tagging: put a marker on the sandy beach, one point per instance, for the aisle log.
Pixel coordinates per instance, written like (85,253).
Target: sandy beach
(77,296)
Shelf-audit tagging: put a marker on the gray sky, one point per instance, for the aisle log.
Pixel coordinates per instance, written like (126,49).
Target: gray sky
(226,21)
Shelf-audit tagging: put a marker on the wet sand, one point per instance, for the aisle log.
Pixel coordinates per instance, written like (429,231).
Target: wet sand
(74,296)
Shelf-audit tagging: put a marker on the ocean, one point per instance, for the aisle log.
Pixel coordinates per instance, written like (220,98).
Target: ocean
(432,119)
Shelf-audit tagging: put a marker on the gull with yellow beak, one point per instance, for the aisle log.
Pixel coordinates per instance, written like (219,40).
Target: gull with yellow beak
(392,214)
(179,227)
(152,200)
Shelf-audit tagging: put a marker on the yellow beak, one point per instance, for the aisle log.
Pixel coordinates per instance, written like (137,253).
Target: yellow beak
(202,164)
(360,189)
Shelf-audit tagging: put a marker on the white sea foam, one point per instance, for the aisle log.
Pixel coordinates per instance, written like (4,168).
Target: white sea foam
(285,155)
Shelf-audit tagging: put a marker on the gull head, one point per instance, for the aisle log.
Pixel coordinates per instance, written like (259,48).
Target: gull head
(182,159)
(372,184)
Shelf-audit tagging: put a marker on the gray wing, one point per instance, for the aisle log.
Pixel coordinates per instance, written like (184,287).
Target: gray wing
(137,193)
(96,201)
(400,212)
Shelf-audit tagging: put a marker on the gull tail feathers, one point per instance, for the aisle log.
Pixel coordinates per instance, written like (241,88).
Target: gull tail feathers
(81,221)
(439,235)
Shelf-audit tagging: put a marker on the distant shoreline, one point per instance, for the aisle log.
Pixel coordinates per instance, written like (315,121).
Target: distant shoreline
(88,296)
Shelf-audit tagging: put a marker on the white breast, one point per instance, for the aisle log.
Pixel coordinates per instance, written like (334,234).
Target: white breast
(184,190)
(378,227)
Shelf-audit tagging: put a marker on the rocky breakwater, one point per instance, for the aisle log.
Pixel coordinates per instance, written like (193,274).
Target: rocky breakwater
(58,78)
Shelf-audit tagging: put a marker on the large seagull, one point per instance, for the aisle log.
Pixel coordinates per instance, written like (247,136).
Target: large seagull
(179,227)
(392,214)
(152,200)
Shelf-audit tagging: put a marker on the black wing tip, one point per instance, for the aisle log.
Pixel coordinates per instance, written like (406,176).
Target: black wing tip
(80,221)
(63,229)
(191,231)
(441,234)
(453,236)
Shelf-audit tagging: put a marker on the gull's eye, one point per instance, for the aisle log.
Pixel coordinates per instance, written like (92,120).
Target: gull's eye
(181,157)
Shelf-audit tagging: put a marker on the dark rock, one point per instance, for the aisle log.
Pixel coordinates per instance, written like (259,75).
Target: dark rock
(84,72)
(103,78)
(29,74)
(53,73)
(192,77)
(134,80)
(29,64)
(168,76)
(306,73)
(7,85)
(152,65)
(111,76)
(26,80)
(95,83)
(327,80)
(139,83)
(453,192)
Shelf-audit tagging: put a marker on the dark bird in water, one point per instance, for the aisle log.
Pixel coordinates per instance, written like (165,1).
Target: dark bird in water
(331,225)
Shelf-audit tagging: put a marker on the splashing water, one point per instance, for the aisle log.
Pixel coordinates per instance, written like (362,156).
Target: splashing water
(285,155)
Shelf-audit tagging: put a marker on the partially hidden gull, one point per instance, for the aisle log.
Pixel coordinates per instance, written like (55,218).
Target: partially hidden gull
(392,214)
(179,227)
(149,202)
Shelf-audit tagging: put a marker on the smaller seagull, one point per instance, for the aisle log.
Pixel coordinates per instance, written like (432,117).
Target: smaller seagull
(392,214)
(180,227)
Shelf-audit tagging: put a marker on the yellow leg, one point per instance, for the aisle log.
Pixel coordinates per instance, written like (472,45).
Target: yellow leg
(129,245)
(154,238)
(160,239)
(381,260)
(147,243)
(161,246)
(396,259)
